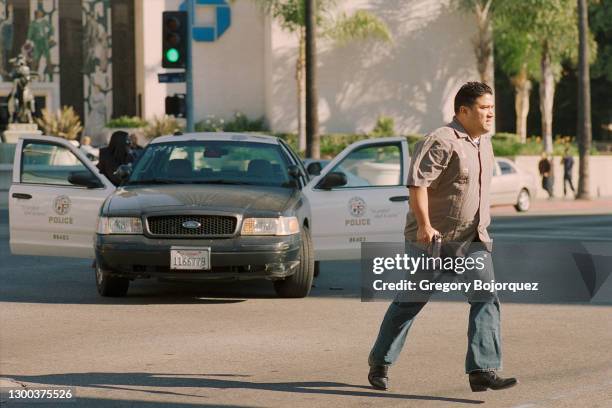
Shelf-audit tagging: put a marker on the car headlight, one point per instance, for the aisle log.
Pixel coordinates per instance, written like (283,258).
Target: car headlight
(270,226)
(119,225)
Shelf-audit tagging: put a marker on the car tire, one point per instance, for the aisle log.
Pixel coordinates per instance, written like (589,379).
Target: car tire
(298,285)
(110,286)
(523,201)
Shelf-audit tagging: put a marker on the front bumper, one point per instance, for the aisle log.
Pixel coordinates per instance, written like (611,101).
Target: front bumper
(238,258)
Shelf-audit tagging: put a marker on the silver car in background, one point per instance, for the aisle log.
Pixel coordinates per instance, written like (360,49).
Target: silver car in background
(511,185)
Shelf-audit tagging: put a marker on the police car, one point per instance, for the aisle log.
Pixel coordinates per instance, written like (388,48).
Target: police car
(207,206)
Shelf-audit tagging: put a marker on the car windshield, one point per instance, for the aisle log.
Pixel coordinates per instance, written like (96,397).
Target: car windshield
(212,162)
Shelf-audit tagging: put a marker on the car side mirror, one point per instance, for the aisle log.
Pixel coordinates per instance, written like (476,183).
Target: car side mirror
(123,172)
(331,180)
(294,171)
(314,168)
(84,179)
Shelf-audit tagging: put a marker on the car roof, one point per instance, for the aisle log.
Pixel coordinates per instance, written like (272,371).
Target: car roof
(217,136)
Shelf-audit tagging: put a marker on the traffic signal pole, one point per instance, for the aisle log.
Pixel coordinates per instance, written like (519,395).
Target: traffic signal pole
(189,67)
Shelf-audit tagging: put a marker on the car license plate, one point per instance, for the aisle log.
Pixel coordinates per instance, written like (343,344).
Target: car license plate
(189,258)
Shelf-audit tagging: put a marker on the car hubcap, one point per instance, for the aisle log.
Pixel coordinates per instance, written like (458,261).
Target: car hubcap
(524,200)
(99,276)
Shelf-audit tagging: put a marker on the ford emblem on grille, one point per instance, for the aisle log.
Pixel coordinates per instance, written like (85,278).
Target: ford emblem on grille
(191,224)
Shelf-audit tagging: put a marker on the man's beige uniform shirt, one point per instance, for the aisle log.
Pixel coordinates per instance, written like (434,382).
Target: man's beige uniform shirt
(457,172)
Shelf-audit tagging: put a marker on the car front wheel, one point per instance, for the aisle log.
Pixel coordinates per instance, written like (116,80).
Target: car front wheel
(110,286)
(523,202)
(298,285)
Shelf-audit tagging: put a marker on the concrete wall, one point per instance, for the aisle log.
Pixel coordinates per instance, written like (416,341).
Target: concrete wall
(229,72)
(251,68)
(600,171)
(412,80)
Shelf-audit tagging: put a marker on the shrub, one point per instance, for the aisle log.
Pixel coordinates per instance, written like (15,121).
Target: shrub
(240,123)
(161,126)
(385,126)
(64,123)
(127,122)
(210,124)
(508,144)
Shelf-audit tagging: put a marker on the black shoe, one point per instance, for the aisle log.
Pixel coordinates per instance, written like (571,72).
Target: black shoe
(481,380)
(378,377)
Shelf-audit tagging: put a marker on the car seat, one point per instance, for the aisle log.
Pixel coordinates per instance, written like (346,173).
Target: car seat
(179,169)
(260,168)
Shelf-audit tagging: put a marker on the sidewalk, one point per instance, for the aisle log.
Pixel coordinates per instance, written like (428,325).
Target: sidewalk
(558,206)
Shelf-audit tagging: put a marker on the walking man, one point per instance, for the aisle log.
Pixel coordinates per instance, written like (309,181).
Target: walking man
(449,181)
(545,167)
(568,163)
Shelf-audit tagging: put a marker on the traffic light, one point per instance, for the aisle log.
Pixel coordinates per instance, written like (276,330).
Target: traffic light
(174,40)
(176,105)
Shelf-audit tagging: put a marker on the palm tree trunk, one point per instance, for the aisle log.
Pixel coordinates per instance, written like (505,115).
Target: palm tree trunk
(522,90)
(301,101)
(547,96)
(483,45)
(313,138)
(584,103)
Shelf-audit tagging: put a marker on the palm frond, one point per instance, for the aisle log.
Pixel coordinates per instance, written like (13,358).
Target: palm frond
(64,123)
(362,25)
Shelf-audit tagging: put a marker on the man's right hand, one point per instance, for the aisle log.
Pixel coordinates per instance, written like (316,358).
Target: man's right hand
(426,233)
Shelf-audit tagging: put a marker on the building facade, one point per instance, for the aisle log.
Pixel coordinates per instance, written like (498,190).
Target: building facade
(103,56)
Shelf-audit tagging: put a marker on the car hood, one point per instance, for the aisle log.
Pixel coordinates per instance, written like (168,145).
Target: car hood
(224,198)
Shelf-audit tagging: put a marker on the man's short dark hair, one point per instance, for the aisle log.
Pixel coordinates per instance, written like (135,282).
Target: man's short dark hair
(469,92)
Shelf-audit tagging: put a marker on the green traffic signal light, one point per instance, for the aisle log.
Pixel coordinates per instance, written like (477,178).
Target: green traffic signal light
(172,55)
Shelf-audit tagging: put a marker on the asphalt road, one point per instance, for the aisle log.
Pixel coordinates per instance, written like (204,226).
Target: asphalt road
(186,344)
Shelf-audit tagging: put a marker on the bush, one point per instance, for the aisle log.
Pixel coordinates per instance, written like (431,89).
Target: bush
(210,124)
(162,126)
(243,124)
(64,123)
(240,123)
(508,144)
(127,122)
(385,126)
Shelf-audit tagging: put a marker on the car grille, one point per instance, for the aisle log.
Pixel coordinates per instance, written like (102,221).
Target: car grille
(210,225)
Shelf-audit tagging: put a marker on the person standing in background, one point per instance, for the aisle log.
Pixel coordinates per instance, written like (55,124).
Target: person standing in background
(568,164)
(546,171)
(114,155)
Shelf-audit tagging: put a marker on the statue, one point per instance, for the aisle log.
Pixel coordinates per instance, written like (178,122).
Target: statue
(21,98)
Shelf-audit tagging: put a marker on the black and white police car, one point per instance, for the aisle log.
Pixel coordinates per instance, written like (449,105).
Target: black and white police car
(216,206)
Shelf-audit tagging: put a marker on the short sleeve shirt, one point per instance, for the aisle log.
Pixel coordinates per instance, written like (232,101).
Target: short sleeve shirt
(457,172)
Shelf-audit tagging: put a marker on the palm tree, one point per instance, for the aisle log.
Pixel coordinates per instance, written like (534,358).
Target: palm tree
(483,41)
(518,56)
(291,15)
(584,102)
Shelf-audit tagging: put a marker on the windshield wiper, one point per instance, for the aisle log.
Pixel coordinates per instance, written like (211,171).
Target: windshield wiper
(156,180)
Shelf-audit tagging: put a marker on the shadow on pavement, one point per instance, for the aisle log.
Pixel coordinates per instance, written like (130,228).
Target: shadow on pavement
(127,382)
